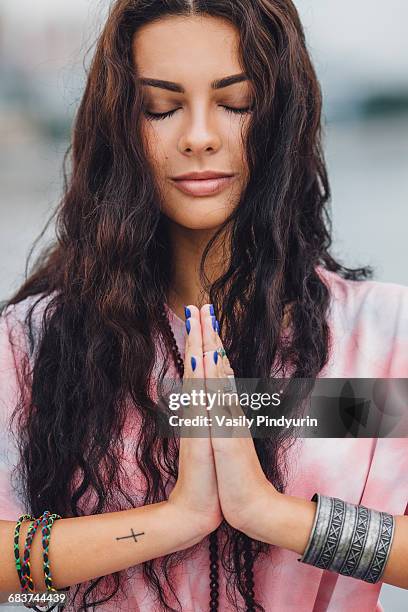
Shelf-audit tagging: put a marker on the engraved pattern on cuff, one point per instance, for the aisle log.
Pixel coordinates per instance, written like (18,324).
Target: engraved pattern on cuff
(382,547)
(348,565)
(319,536)
(349,539)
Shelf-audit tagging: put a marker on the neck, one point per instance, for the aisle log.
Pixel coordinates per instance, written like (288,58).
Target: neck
(187,247)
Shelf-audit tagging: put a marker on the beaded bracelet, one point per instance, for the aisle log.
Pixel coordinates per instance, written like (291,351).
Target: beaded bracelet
(26,581)
(46,535)
(349,539)
(17,559)
(47,520)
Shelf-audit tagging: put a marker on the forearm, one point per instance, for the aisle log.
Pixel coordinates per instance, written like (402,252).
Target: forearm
(86,547)
(286,521)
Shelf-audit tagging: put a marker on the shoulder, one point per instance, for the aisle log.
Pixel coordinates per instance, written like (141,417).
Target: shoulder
(377,301)
(370,318)
(364,292)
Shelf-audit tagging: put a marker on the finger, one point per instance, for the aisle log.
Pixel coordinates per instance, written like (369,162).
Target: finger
(222,369)
(193,356)
(212,360)
(211,341)
(217,369)
(216,365)
(193,379)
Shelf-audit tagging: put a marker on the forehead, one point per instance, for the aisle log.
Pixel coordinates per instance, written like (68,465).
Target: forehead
(189,48)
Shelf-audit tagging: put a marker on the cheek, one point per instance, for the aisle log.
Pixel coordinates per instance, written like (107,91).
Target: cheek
(239,157)
(154,144)
(235,137)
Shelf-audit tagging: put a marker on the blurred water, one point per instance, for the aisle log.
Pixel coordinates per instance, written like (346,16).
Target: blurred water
(368,168)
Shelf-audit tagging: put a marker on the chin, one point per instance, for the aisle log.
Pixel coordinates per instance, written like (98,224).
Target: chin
(199,216)
(197,224)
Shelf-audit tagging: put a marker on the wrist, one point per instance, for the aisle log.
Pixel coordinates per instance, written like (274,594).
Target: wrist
(191,527)
(294,522)
(257,518)
(282,520)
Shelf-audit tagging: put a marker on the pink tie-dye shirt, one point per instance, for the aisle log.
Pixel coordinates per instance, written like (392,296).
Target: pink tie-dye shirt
(369,338)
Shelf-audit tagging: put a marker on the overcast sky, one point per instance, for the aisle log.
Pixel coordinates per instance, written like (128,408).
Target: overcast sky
(367,36)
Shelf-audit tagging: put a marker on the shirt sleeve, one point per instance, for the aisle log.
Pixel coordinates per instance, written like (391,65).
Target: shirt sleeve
(11,360)
(399,347)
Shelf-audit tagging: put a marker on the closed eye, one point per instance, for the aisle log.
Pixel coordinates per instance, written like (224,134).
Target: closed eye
(229,109)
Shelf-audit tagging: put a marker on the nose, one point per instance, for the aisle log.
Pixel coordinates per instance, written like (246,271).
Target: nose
(199,133)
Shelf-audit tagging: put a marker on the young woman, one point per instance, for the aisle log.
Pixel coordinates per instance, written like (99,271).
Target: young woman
(225,93)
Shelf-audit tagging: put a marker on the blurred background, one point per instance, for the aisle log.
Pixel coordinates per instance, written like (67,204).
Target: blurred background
(360,51)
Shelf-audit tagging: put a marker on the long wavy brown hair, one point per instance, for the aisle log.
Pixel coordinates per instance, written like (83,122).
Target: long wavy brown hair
(108,271)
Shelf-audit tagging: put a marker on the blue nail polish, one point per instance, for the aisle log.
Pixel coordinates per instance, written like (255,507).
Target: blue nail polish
(212,309)
(187,312)
(188,325)
(193,363)
(218,328)
(214,323)
(215,355)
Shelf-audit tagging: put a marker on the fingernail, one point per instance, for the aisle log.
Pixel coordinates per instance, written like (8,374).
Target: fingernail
(212,309)
(187,312)
(188,325)
(218,328)
(215,355)
(193,363)
(214,323)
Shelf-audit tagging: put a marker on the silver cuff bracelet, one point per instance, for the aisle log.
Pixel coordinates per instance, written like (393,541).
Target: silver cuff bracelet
(349,539)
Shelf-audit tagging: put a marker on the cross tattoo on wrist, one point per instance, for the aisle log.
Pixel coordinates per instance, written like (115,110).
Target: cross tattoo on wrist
(133,535)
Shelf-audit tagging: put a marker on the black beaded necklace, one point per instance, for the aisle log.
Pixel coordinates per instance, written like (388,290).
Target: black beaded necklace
(213,538)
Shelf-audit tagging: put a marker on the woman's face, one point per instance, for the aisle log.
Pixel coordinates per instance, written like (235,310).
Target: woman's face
(201,132)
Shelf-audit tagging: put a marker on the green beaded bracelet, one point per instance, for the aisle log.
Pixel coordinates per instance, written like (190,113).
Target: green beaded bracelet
(46,520)
(27,584)
(46,535)
(17,559)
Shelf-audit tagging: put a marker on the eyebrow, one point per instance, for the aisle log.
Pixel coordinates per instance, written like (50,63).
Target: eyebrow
(177,87)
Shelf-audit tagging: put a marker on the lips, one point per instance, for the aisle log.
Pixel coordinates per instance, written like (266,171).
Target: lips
(202,174)
(204,186)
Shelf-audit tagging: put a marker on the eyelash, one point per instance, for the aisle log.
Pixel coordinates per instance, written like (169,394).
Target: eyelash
(236,111)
